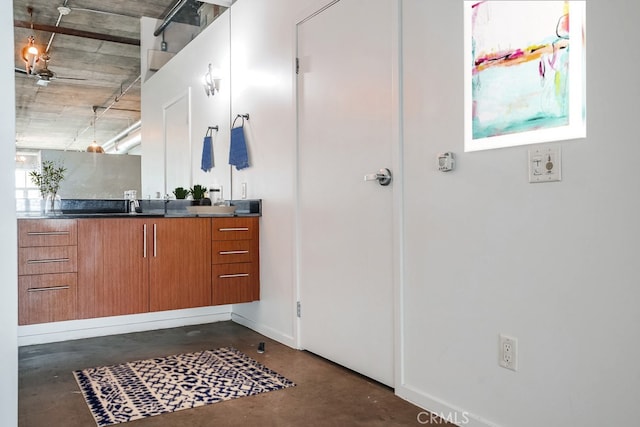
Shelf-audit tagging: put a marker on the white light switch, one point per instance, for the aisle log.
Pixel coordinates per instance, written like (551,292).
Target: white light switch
(545,164)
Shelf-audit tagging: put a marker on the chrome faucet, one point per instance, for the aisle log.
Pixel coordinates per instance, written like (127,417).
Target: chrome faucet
(167,197)
(133,205)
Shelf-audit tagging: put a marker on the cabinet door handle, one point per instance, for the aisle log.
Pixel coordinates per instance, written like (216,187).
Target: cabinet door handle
(233,252)
(48,233)
(144,241)
(234,229)
(44,261)
(52,288)
(229,276)
(155,241)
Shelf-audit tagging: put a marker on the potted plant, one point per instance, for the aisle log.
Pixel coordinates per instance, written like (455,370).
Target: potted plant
(48,182)
(198,193)
(181,193)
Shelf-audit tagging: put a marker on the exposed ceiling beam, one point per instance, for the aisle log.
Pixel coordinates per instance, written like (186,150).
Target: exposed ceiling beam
(77,33)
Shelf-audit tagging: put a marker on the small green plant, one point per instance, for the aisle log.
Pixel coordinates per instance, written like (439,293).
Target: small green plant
(48,181)
(181,193)
(198,192)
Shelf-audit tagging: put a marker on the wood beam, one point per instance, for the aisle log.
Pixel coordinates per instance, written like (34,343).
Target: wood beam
(77,33)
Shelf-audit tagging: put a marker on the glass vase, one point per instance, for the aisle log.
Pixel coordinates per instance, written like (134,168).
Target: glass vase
(52,204)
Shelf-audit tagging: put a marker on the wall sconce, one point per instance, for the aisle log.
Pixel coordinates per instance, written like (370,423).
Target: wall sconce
(211,82)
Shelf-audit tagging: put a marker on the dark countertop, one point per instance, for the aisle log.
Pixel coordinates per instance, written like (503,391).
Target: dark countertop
(27,215)
(80,208)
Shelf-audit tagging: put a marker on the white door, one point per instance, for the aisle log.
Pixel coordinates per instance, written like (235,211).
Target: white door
(345,103)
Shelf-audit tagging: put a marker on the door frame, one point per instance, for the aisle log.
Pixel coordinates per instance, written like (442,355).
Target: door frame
(397,243)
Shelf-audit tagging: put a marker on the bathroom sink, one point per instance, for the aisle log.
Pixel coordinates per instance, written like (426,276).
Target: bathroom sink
(211,210)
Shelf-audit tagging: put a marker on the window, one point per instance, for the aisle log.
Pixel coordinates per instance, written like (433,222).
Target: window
(28,196)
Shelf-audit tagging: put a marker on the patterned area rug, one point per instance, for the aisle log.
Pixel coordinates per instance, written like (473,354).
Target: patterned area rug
(134,390)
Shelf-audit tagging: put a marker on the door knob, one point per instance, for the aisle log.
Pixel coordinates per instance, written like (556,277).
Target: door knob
(383,176)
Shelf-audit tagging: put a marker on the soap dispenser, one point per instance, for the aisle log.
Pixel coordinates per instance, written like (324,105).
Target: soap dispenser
(216,197)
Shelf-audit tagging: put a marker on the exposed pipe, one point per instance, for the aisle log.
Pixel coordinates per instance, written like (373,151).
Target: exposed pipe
(127,144)
(63,11)
(169,17)
(113,141)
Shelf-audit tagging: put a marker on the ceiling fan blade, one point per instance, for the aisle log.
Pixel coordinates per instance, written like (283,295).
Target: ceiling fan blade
(69,78)
(22,71)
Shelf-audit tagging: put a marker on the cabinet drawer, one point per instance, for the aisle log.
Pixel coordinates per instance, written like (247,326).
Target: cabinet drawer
(43,260)
(235,228)
(47,298)
(235,283)
(233,251)
(47,232)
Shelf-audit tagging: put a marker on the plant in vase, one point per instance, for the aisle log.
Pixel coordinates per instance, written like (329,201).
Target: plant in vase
(48,182)
(198,193)
(181,193)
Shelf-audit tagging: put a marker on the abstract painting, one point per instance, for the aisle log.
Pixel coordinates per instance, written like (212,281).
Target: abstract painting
(524,72)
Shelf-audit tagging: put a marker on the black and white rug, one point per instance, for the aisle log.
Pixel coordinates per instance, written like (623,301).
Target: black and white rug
(134,390)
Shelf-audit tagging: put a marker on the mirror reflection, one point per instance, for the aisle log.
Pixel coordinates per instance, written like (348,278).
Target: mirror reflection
(85,83)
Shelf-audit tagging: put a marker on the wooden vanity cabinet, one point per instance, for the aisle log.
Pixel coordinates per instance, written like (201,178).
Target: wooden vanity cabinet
(88,267)
(137,265)
(47,266)
(179,265)
(235,259)
(113,270)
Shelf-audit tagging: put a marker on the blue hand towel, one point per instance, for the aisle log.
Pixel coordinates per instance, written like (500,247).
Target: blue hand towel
(207,154)
(238,156)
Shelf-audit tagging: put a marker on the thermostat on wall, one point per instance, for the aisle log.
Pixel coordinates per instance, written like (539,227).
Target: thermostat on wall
(446,161)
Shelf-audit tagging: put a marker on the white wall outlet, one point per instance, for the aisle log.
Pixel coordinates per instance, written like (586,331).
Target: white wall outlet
(244,190)
(545,164)
(508,352)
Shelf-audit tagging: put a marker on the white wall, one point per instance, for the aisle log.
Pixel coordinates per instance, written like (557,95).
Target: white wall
(484,251)
(8,252)
(554,264)
(263,85)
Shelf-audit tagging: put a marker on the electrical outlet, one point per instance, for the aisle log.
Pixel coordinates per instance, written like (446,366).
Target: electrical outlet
(244,190)
(508,352)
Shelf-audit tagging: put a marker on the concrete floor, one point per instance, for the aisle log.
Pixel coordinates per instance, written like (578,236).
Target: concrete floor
(325,394)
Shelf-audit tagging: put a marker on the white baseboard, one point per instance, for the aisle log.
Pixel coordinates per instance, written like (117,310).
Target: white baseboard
(274,334)
(444,410)
(90,328)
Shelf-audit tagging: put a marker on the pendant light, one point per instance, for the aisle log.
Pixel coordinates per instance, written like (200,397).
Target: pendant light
(94,147)
(30,53)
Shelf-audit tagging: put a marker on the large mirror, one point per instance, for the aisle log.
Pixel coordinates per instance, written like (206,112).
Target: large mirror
(84,85)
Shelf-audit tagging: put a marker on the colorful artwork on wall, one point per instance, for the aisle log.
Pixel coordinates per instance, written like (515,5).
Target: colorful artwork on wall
(524,72)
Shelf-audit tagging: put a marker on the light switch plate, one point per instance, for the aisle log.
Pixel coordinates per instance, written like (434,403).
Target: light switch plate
(545,164)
